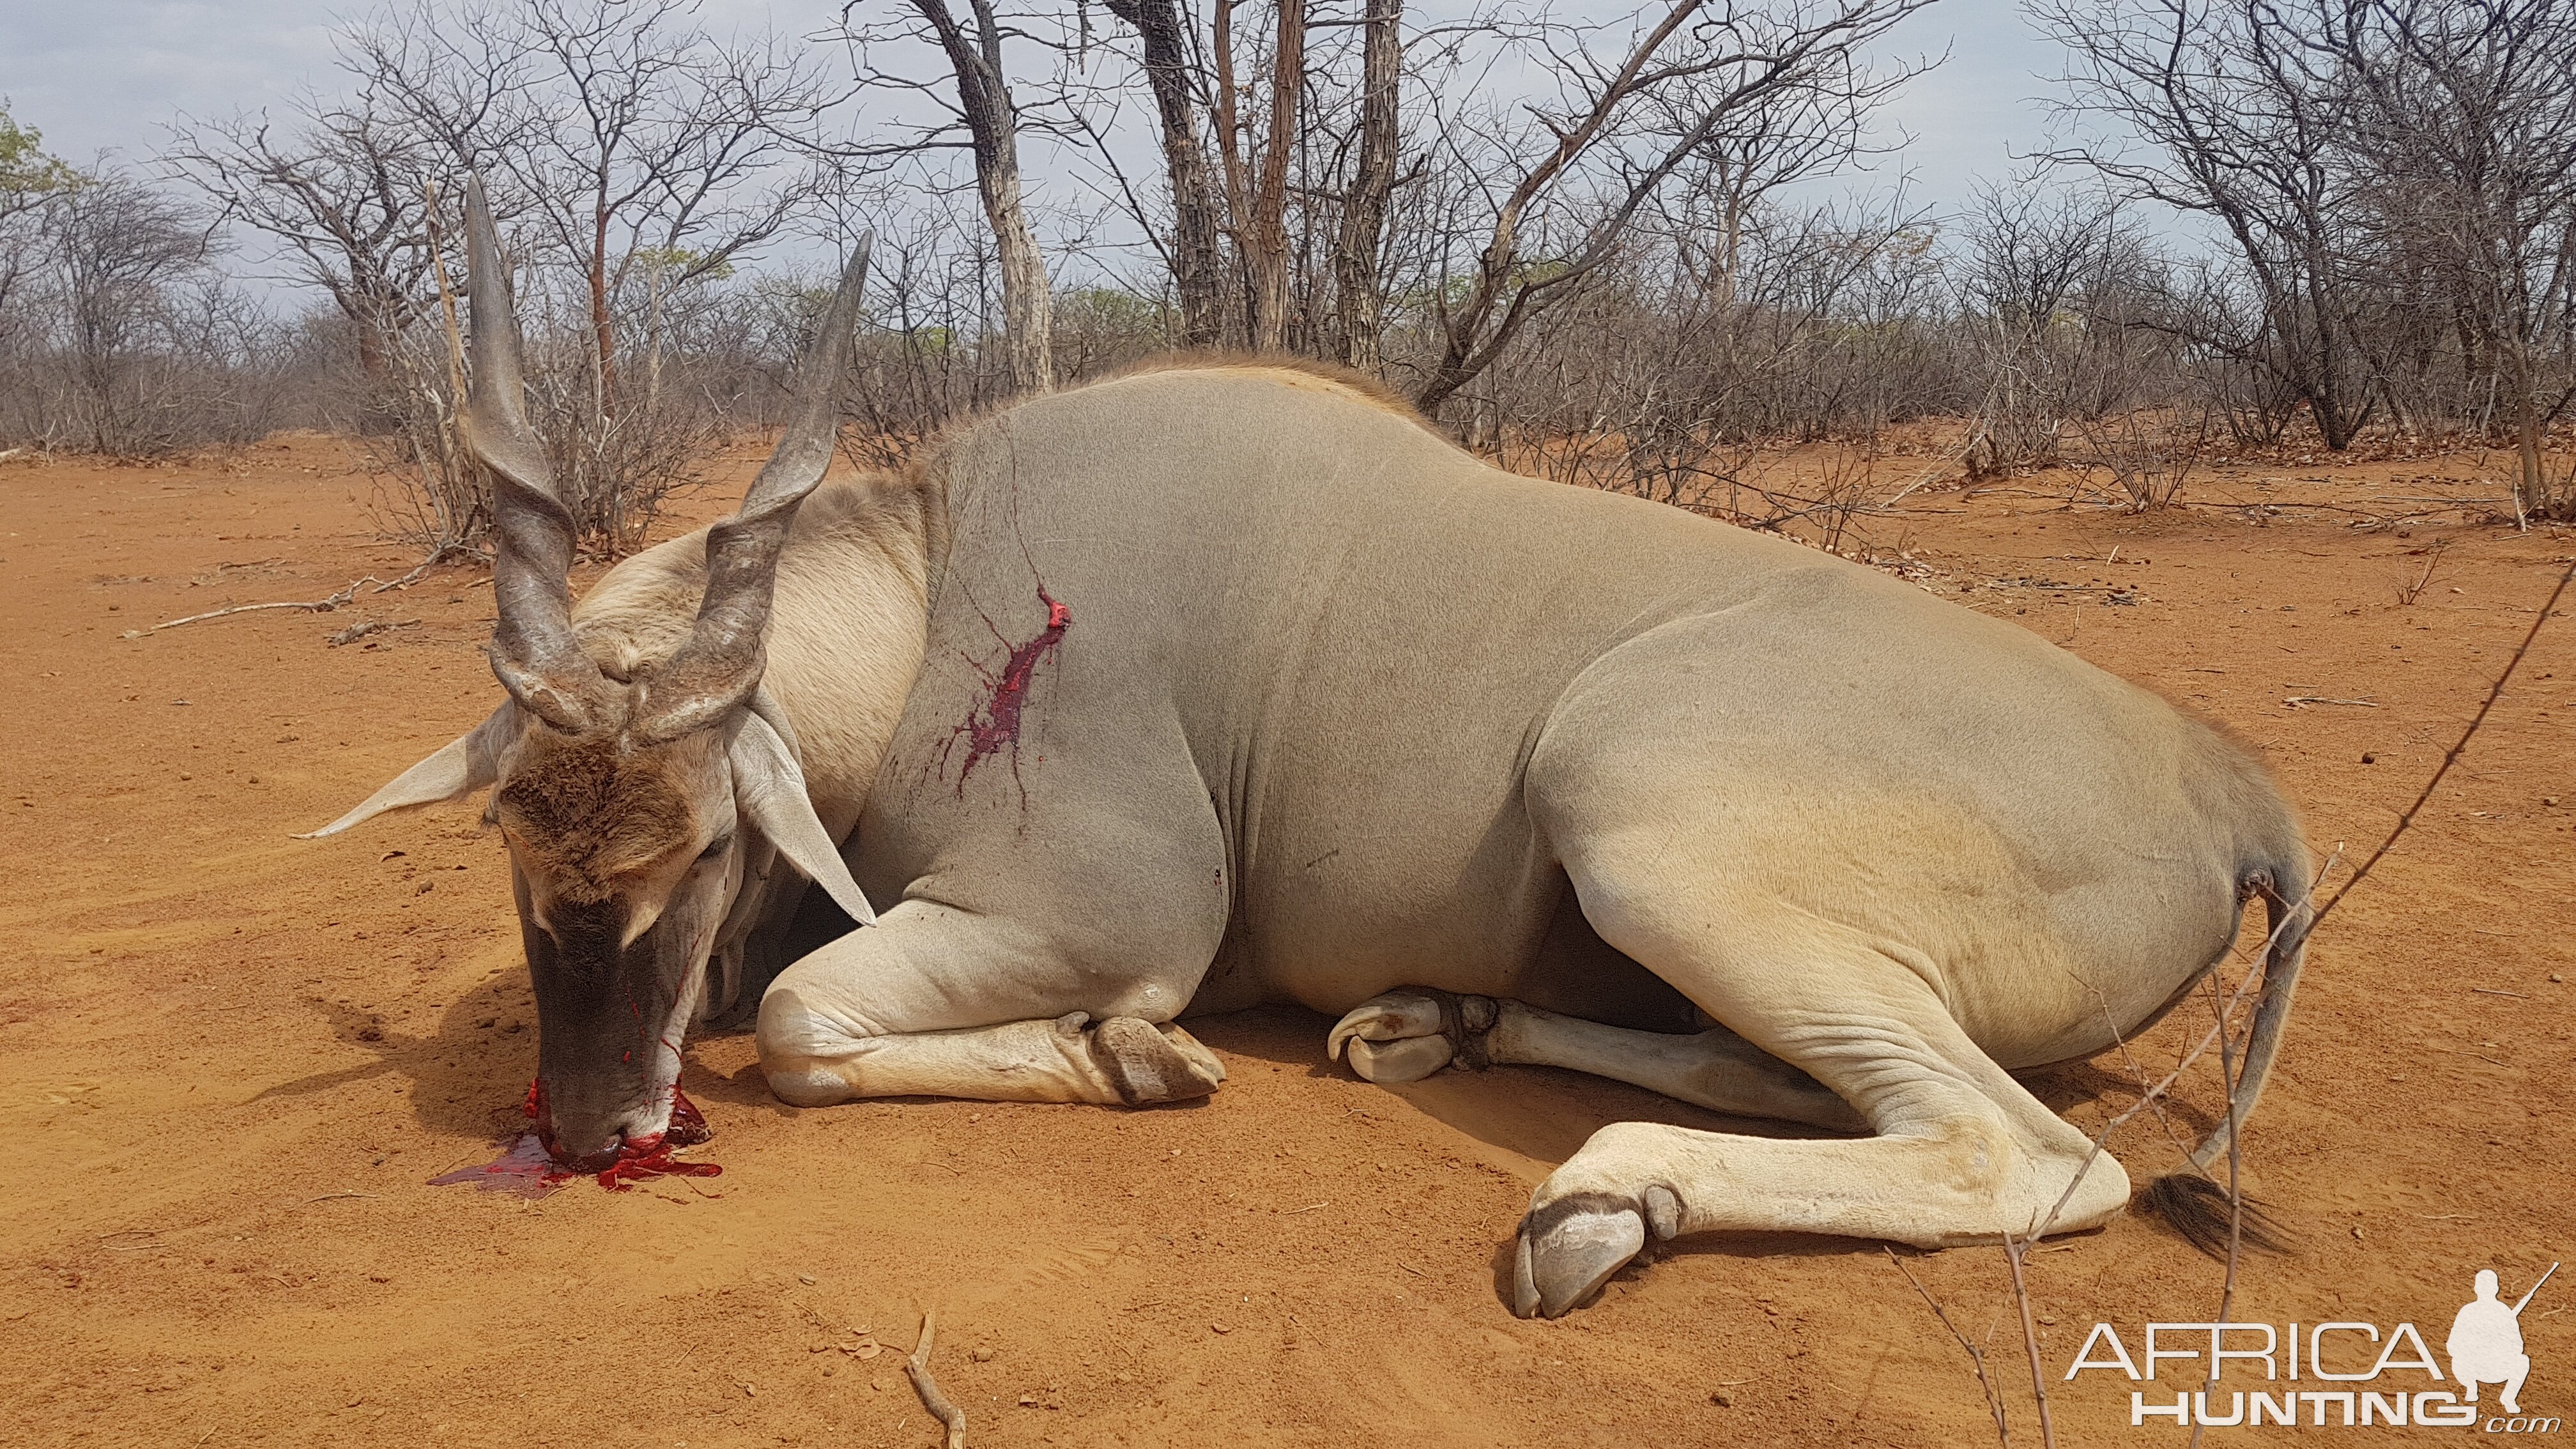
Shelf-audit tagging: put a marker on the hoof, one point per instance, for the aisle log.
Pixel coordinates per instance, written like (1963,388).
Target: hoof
(1569,1248)
(1404,1036)
(1408,1060)
(1146,1063)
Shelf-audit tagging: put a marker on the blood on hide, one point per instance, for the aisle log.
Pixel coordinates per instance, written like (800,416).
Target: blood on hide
(994,726)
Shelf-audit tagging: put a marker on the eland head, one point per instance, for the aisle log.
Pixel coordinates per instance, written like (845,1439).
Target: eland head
(635,804)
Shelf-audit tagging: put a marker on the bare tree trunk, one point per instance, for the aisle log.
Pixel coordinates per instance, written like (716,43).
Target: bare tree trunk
(1229,144)
(2531,490)
(1730,243)
(1027,308)
(603,332)
(1194,241)
(992,124)
(1358,290)
(1269,240)
(653,337)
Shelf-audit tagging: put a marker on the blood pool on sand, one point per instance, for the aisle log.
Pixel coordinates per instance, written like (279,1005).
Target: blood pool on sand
(528,1169)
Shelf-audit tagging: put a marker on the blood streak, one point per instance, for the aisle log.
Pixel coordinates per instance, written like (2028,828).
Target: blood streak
(528,1167)
(995,724)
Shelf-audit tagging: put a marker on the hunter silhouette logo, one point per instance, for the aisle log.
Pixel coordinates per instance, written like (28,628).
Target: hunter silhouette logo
(2362,1375)
(2486,1342)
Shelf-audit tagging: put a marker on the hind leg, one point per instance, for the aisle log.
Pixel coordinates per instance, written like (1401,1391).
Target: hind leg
(1408,1034)
(1961,1153)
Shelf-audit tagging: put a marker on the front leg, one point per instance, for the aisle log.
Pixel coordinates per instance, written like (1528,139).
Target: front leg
(935,1002)
(1120,1061)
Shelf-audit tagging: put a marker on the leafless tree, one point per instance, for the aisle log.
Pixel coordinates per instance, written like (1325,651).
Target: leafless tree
(1359,287)
(133,334)
(2236,119)
(1774,140)
(662,147)
(2464,146)
(641,157)
(341,190)
(2060,296)
(1196,261)
(118,249)
(1651,382)
(975,94)
(1703,63)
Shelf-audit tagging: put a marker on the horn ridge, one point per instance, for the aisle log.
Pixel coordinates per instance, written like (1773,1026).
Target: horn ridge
(722,660)
(534,652)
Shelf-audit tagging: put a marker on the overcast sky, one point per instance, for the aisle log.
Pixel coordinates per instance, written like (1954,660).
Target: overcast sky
(100,76)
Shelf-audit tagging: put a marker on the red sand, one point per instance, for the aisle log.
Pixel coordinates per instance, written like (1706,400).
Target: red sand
(1303,1259)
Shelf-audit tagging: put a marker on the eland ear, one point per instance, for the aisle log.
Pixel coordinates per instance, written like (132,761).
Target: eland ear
(769,791)
(468,763)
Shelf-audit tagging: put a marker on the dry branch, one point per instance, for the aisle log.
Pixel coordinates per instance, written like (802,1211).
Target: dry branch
(310,606)
(2408,593)
(2013,1251)
(1994,1398)
(917,1369)
(340,600)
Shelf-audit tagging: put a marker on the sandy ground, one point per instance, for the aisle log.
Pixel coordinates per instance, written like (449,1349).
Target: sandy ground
(237,1058)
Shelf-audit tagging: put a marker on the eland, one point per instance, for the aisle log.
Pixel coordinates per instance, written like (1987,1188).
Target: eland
(1227,682)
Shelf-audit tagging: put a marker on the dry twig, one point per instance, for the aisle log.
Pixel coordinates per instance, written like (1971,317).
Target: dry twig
(917,1369)
(1994,1399)
(365,627)
(310,606)
(2229,1076)
(2408,593)
(325,605)
(2030,1339)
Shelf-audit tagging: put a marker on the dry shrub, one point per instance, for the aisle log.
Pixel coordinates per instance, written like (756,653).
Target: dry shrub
(2150,452)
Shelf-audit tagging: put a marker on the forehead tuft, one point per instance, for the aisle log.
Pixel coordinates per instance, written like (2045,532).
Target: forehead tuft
(590,807)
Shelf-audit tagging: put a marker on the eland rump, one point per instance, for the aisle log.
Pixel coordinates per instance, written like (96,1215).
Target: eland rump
(1227,681)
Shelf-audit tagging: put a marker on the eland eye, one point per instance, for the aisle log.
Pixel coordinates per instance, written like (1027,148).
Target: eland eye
(715,847)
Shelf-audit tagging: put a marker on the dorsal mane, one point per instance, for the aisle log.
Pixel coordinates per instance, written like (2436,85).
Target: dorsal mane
(1303,373)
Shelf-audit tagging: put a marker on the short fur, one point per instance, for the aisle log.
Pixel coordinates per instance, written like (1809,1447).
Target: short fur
(591,811)
(1285,369)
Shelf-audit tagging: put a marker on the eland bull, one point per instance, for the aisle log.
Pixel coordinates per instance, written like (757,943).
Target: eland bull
(1228,682)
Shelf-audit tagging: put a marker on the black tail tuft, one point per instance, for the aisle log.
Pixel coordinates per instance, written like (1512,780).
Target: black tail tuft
(2197,1208)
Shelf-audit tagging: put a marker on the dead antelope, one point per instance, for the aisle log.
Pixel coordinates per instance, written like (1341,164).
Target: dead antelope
(1229,682)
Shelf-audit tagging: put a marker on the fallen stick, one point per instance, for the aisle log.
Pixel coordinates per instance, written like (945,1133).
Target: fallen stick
(917,1369)
(339,600)
(2294,701)
(358,631)
(310,606)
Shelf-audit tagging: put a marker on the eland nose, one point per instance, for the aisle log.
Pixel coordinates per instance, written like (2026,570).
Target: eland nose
(584,1151)
(584,1141)
(589,1142)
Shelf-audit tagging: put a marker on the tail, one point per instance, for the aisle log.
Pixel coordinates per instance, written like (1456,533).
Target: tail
(2195,1204)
